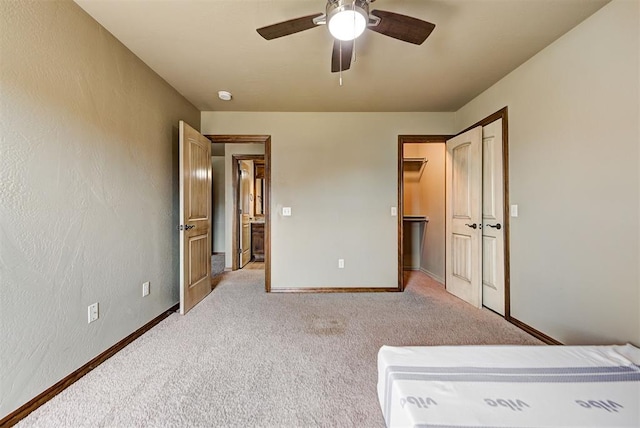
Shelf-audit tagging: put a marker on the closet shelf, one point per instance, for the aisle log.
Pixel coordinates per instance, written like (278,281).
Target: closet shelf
(414,164)
(416,218)
(420,161)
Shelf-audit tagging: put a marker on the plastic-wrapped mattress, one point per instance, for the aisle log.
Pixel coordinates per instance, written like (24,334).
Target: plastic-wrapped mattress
(510,386)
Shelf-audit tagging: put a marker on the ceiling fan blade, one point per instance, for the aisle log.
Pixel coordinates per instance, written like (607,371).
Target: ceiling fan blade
(347,51)
(291,26)
(402,27)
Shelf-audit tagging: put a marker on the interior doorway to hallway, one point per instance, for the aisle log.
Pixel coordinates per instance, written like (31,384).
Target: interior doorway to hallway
(247,187)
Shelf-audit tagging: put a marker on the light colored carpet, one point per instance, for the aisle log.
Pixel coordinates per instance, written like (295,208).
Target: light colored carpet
(217,264)
(244,358)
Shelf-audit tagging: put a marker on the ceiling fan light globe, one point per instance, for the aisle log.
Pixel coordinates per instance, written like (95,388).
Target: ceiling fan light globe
(347,24)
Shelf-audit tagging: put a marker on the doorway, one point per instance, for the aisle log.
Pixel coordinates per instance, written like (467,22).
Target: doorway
(235,146)
(494,271)
(422,205)
(249,215)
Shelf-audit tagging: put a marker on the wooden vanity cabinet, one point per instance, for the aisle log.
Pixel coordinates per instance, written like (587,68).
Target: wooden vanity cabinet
(257,241)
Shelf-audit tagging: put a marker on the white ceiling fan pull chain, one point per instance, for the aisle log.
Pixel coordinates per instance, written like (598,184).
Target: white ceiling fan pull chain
(340,62)
(354,56)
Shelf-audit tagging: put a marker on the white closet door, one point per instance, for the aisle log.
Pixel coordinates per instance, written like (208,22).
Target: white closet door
(464,216)
(492,218)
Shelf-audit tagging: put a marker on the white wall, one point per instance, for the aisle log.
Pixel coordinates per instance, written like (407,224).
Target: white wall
(574,172)
(338,172)
(88,187)
(229,151)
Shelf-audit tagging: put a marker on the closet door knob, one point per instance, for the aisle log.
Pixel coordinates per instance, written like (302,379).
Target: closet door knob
(472,226)
(495,226)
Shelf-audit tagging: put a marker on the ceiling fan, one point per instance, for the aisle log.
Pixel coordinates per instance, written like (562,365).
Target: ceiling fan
(346,21)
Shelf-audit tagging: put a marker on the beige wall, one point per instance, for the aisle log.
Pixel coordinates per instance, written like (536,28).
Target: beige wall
(87,188)
(219,194)
(574,173)
(338,173)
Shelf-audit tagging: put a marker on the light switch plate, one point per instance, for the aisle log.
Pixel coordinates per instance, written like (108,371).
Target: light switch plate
(92,312)
(394,211)
(145,289)
(286,211)
(514,211)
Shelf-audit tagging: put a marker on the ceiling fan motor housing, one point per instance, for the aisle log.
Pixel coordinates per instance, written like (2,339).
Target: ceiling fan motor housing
(335,6)
(341,12)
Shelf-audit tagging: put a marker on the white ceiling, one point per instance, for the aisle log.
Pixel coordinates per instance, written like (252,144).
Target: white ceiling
(201,47)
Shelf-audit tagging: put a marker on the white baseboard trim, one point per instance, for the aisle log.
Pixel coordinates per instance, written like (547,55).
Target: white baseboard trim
(432,275)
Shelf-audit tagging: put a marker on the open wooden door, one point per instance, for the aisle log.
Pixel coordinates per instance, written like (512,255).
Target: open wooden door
(246,210)
(195,217)
(464,216)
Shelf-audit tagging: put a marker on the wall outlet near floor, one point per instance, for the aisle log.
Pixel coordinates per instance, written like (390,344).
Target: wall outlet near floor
(340,263)
(92,312)
(145,289)
(286,211)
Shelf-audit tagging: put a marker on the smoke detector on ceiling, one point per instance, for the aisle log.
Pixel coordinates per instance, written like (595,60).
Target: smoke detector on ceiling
(224,95)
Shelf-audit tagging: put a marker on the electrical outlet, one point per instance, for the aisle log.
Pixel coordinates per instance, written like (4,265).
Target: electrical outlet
(340,263)
(93,312)
(145,289)
(286,211)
